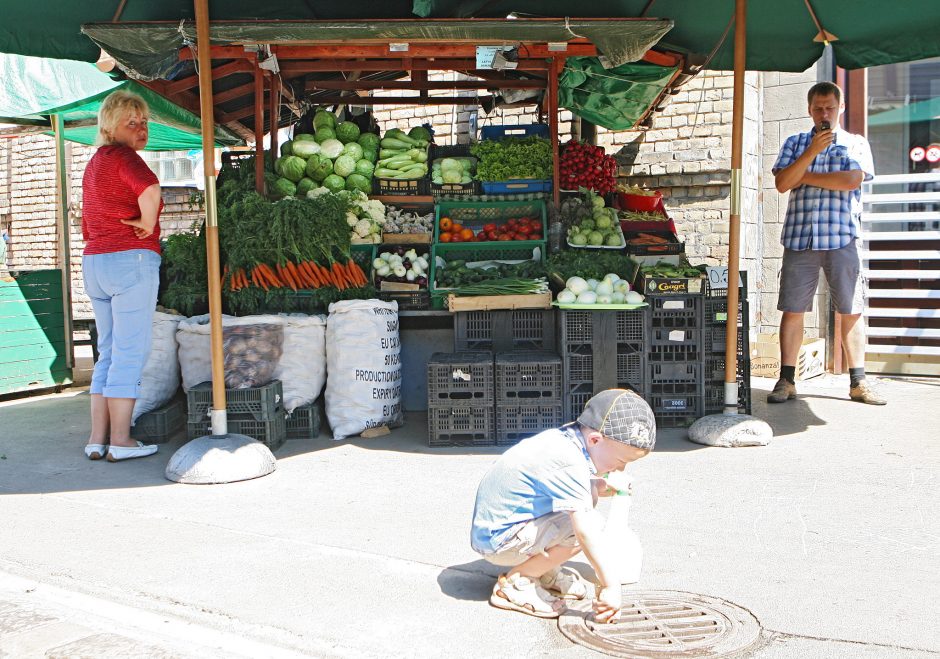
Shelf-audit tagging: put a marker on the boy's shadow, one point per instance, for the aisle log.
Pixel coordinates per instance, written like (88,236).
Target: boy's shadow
(474,581)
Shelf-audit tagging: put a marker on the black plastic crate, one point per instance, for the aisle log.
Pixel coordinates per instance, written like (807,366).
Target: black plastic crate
(713,293)
(577,327)
(574,401)
(261,403)
(162,424)
(675,312)
(304,422)
(272,433)
(516,422)
(716,311)
(715,339)
(679,372)
(407,187)
(461,378)
(675,390)
(677,410)
(518,329)
(662,336)
(675,352)
(530,377)
(715,396)
(631,369)
(715,368)
(461,426)
(408,300)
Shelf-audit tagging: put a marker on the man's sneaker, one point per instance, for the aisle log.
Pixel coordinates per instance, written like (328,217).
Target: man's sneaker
(863,393)
(783,391)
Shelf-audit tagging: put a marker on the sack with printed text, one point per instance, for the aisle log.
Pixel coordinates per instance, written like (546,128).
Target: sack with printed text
(302,368)
(160,378)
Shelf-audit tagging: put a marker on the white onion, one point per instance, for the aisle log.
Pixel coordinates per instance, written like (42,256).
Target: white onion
(604,288)
(587,297)
(566,297)
(576,285)
(604,299)
(592,284)
(633,298)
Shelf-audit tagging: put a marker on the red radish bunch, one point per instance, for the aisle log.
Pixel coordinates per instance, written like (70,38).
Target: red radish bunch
(587,166)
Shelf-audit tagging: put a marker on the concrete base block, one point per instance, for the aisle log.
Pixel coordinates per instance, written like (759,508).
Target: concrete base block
(220,459)
(730,430)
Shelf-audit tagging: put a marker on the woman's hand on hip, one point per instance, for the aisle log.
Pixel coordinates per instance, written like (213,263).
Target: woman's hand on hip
(142,228)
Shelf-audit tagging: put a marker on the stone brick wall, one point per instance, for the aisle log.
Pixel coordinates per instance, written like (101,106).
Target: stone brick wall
(28,207)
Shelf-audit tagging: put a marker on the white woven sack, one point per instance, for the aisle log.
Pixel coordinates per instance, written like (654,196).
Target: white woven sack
(161,375)
(302,369)
(363,366)
(195,353)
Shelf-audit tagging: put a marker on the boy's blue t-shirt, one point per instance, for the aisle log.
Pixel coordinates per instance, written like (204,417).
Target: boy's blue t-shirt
(548,473)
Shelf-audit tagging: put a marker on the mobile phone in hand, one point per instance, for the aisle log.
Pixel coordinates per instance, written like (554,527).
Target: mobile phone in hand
(824,126)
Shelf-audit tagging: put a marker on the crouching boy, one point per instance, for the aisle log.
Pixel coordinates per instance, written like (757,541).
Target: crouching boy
(535,507)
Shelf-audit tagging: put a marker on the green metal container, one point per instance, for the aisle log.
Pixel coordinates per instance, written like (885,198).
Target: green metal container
(33,345)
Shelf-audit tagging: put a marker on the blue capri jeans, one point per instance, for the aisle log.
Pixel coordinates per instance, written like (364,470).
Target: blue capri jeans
(123,291)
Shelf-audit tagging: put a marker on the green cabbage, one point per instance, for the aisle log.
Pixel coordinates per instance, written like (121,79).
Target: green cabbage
(324,134)
(304,137)
(331,148)
(359,182)
(277,165)
(286,149)
(344,166)
(293,168)
(353,150)
(318,167)
(323,119)
(364,167)
(347,131)
(305,186)
(334,183)
(306,148)
(369,141)
(420,133)
(370,154)
(282,188)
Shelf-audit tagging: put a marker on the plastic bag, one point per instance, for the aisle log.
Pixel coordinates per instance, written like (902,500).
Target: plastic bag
(161,375)
(251,346)
(363,358)
(302,369)
(621,538)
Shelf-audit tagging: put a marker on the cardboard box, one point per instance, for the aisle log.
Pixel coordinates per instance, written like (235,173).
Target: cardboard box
(663,286)
(765,357)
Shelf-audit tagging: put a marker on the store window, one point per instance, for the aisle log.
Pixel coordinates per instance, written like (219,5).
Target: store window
(173,168)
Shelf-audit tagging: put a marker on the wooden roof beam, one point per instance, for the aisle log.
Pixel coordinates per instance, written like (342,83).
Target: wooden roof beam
(355,85)
(296,67)
(346,51)
(218,72)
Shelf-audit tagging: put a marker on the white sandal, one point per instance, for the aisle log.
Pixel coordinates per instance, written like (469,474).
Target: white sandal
(96,451)
(565,582)
(522,594)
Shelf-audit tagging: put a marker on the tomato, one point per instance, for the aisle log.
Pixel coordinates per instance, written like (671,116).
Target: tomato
(535,236)
(519,236)
(536,226)
(456,227)
(489,227)
(445,224)
(524,221)
(455,238)
(482,236)
(492,235)
(445,237)
(512,223)
(525,229)
(467,235)
(505,236)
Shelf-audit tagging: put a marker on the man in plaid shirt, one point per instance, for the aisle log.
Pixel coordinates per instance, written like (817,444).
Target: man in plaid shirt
(823,171)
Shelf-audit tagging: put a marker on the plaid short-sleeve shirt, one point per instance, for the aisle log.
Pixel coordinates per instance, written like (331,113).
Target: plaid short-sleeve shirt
(818,218)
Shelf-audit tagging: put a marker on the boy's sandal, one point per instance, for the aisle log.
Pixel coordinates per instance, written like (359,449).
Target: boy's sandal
(566,583)
(524,595)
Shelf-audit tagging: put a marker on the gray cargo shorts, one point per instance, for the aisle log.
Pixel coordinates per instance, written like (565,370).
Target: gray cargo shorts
(799,278)
(534,537)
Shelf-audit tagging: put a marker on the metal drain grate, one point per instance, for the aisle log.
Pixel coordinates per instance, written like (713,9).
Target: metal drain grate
(665,624)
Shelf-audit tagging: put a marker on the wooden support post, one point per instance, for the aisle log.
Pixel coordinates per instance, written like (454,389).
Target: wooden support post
(259,130)
(64,246)
(275,113)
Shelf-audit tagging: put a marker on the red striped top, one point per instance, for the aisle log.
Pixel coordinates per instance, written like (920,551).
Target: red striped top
(114,178)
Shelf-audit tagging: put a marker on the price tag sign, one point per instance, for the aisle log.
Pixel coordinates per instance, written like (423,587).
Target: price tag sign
(718,277)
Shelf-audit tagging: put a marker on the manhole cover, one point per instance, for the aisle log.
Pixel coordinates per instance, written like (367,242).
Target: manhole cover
(661,624)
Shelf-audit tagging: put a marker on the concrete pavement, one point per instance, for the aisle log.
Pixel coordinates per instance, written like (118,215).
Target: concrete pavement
(829,536)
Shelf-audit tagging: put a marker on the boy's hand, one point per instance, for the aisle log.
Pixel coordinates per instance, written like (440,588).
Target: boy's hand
(607,605)
(603,488)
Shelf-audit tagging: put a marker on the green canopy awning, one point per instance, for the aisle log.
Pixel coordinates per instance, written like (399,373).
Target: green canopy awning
(32,89)
(921,111)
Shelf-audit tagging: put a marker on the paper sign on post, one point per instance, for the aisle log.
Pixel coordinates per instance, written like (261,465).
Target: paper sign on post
(718,277)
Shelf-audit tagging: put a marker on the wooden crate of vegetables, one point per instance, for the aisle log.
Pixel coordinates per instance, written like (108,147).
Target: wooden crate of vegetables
(401,275)
(495,276)
(651,247)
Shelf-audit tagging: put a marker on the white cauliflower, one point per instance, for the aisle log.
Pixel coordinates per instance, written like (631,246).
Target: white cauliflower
(363,228)
(316,192)
(376,210)
(351,218)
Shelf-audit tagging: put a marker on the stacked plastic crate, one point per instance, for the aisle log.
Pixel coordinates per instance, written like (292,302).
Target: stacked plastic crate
(528,394)
(675,359)
(461,399)
(715,340)
(601,350)
(256,412)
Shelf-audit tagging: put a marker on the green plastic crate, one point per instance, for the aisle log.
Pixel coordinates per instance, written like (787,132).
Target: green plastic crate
(304,421)
(162,424)
(517,250)
(272,433)
(474,214)
(261,403)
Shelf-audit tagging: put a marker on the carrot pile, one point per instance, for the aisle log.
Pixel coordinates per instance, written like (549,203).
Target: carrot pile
(296,276)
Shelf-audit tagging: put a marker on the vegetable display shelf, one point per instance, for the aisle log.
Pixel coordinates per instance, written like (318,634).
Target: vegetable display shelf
(475,215)
(518,329)
(473,252)
(527,377)
(461,379)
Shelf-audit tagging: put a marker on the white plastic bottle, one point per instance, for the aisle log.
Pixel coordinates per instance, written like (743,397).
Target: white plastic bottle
(617,529)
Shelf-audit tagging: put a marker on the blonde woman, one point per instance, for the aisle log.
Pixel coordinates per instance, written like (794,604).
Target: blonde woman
(121,206)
